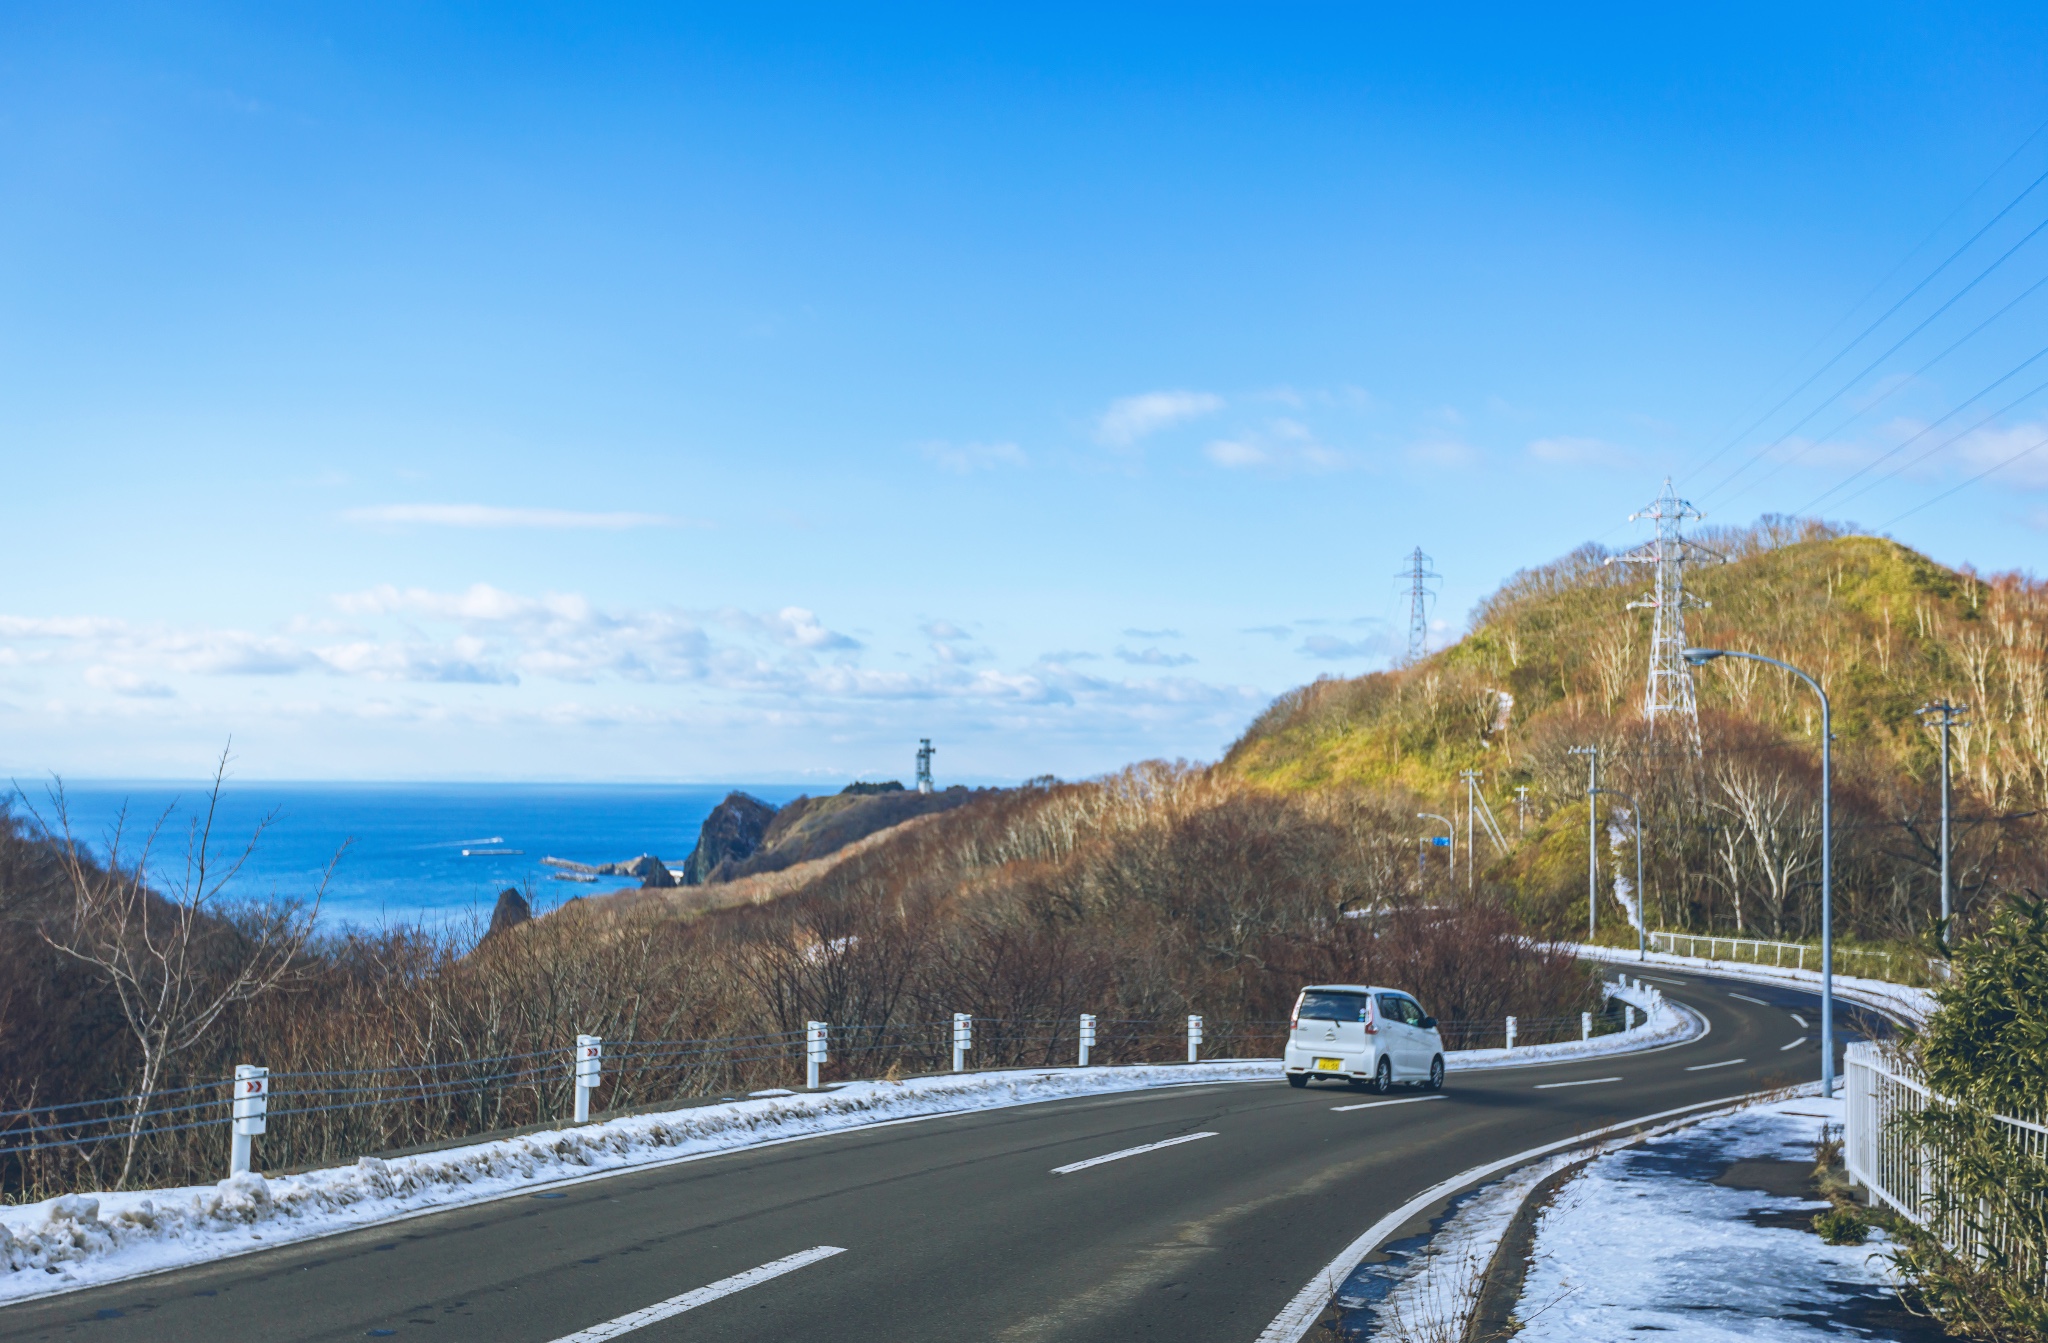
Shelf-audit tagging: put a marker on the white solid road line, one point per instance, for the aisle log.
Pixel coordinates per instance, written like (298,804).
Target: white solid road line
(676,1305)
(1802,1022)
(1590,1081)
(1746,998)
(1300,1314)
(1682,983)
(1794,1045)
(1724,1063)
(1367,1105)
(1128,1151)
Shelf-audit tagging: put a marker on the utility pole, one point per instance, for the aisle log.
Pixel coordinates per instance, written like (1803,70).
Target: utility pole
(1700,657)
(925,752)
(1592,754)
(1419,596)
(1471,852)
(1945,719)
(1669,689)
(1522,809)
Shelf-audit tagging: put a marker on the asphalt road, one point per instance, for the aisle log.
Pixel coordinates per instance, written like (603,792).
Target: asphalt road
(955,1228)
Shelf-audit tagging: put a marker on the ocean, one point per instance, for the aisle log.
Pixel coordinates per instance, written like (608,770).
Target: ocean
(404,862)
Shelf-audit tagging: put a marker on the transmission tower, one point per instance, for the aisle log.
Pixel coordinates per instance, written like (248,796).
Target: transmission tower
(1419,576)
(925,752)
(1669,689)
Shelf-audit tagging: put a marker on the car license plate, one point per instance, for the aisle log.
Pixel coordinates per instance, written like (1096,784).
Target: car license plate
(1329,1065)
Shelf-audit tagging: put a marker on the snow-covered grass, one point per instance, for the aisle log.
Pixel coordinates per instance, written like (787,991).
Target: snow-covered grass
(1425,1290)
(1911,1005)
(1644,1241)
(79,1241)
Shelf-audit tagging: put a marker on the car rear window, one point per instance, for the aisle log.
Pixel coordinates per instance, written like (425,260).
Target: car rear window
(1324,1006)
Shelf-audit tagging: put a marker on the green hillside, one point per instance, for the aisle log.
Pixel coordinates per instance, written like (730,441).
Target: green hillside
(1556,658)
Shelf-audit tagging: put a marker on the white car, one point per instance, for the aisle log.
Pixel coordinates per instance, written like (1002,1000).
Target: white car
(1365,1035)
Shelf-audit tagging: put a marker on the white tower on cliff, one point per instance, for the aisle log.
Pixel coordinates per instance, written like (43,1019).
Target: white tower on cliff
(925,752)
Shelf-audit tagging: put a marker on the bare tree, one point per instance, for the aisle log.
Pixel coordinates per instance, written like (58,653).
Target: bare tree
(1779,819)
(178,959)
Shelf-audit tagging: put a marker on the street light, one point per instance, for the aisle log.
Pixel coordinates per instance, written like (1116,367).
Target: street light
(1699,657)
(1642,918)
(1452,843)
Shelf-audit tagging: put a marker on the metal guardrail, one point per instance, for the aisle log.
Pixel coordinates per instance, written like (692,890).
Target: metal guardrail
(1786,955)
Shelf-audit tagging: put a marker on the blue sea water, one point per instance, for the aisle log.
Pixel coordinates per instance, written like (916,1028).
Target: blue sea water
(404,862)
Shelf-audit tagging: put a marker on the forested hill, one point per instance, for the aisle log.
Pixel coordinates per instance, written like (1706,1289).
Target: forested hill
(1556,658)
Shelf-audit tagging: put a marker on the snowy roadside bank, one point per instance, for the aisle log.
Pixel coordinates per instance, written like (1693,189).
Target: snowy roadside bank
(1699,1230)
(1910,1005)
(1705,1234)
(79,1241)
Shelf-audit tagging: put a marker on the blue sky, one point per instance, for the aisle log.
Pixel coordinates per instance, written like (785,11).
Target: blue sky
(518,392)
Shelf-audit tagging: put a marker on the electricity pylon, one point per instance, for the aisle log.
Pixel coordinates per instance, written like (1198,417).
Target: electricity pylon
(1669,688)
(1418,575)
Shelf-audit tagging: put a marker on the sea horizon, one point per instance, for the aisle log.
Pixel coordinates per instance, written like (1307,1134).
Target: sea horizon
(411,852)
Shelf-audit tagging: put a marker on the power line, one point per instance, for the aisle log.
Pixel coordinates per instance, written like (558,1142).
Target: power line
(1895,472)
(1989,470)
(1864,334)
(1908,381)
(1953,299)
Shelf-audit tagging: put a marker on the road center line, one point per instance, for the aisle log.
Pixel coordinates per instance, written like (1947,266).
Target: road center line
(1794,1045)
(676,1305)
(1587,1082)
(1682,983)
(1802,1022)
(1367,1105)
(1128,1151)
(1746,998)
(1724,1063)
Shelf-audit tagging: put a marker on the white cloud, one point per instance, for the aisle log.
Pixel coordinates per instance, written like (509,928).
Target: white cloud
(1440,451)
(1283,446)
(1154,657)
(966,458)
(1132,418)
(1568,451)
(1331,648)
(128,683)
(1991,447)
(487,515)
(1151,634)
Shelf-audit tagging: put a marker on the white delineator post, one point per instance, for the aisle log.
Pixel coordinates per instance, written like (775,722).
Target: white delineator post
(589,1071)
(814,1052)
(1585,1025)
(1194,1038)
(1628,1017)
(963,1040)
(1511,1032)
(251,1106)
(1087,1036)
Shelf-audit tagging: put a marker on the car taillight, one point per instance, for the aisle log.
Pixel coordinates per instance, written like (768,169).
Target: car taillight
(1294,1021)
(1372,1025)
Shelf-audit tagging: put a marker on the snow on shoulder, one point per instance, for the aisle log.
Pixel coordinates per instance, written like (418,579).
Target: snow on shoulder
(76,1241)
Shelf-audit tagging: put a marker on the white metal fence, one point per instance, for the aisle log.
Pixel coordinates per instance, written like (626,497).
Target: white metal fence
(1792,955)
(1881,1089)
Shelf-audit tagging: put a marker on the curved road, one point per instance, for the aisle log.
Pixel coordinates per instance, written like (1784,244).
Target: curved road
(955,1228)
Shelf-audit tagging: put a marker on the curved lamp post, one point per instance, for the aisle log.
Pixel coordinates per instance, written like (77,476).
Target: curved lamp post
(1642,914)
(1699,657)
(1432,816)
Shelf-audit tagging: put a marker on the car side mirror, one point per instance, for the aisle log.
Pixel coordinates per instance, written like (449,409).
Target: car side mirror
(1429,1023)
